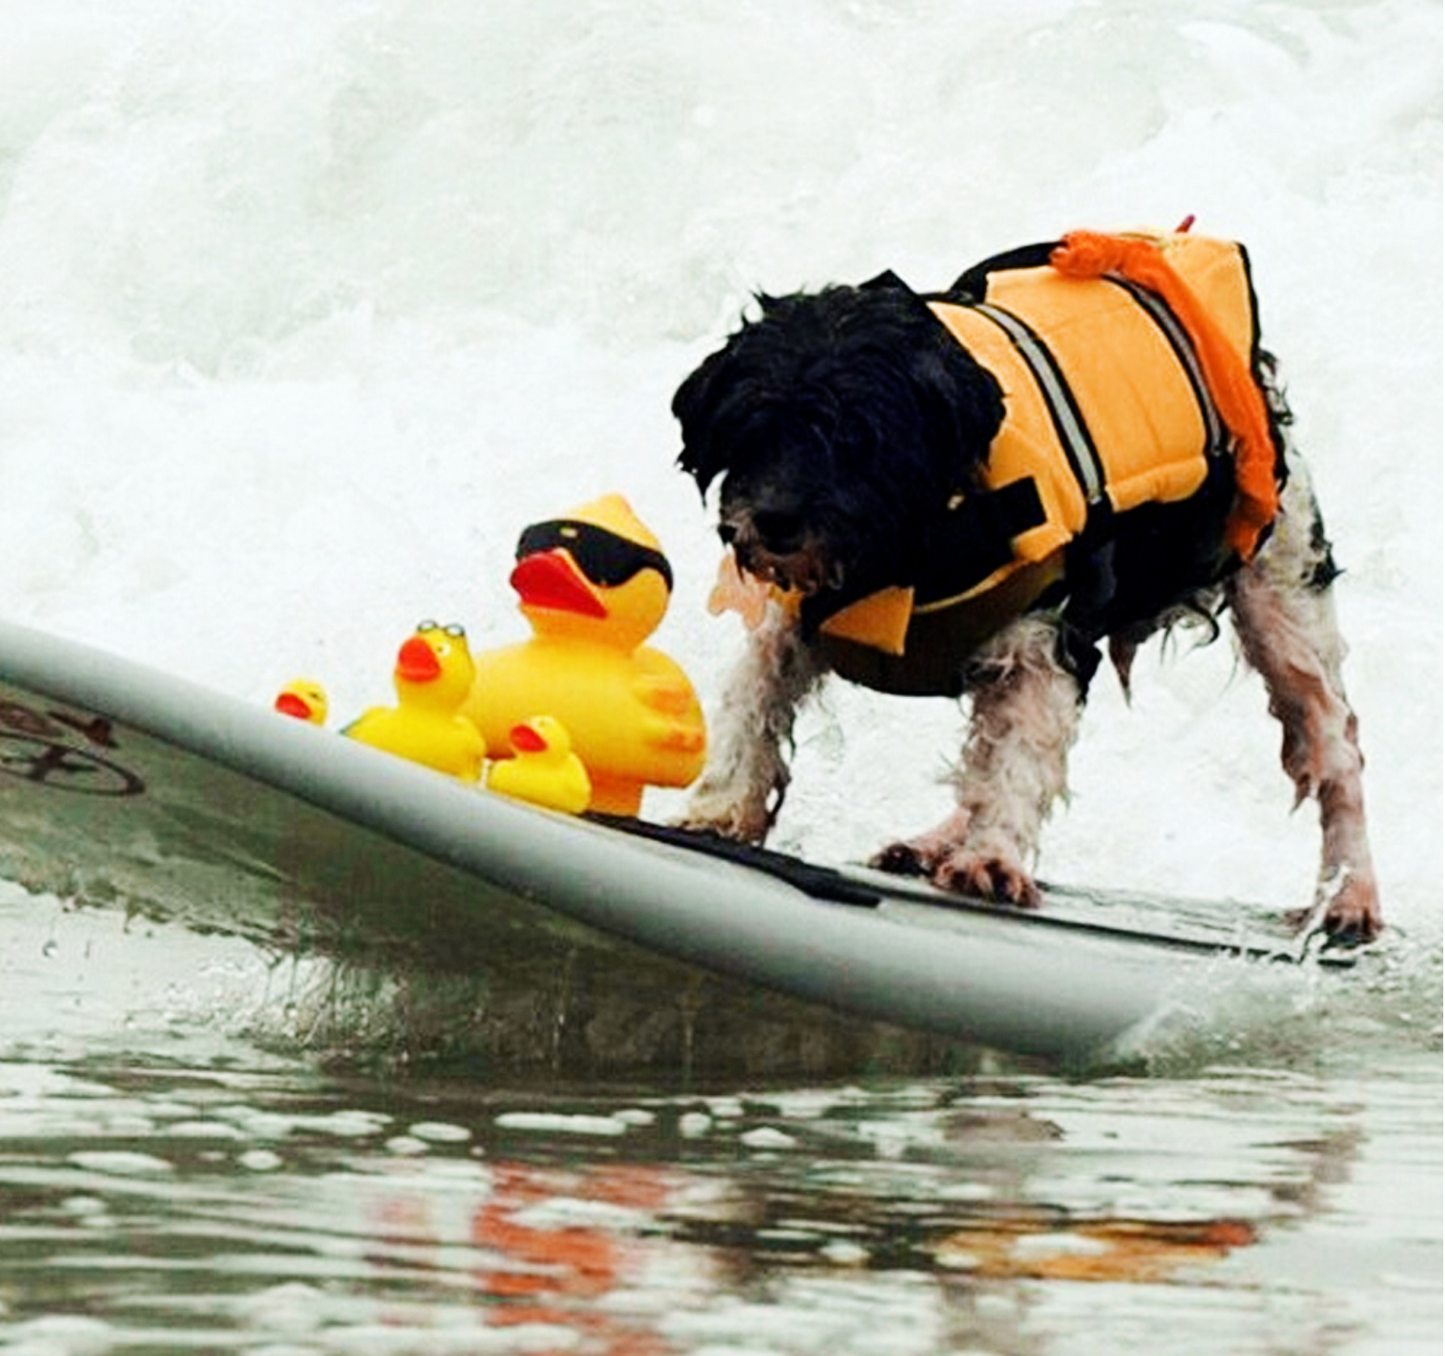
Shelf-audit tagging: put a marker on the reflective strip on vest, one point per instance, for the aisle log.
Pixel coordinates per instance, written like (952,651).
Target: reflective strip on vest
(1103,396)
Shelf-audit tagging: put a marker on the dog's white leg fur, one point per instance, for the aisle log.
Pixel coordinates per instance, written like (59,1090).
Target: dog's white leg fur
(1286,624)
(1024,719)
(746,777)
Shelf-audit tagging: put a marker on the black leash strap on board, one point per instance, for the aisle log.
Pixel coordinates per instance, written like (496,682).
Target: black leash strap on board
(829,885)
(818,882)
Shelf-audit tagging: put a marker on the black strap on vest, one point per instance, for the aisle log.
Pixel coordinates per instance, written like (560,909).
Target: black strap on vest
(976,538)
(973,540)
(971,285)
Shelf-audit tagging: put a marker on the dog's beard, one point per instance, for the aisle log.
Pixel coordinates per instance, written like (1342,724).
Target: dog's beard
(820,548)
(808,570)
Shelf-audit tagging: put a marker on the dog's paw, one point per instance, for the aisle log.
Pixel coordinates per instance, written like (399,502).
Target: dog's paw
(997,876)
(742,821)
(1349,914)
(921,856)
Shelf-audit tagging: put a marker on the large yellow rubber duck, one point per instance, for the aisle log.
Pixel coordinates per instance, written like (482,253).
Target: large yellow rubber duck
(434,672)
(594,585)
(543,770)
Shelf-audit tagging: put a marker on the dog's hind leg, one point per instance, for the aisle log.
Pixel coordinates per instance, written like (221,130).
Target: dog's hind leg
(746,778)
(1024,718)
(1285,618)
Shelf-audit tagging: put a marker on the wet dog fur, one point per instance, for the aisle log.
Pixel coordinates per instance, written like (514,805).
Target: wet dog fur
(836,423)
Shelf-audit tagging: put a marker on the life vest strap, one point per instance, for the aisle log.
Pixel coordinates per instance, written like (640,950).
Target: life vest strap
(972,544)
(975,540)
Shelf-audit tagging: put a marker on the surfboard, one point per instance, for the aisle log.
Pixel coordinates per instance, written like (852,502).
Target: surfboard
(121,786)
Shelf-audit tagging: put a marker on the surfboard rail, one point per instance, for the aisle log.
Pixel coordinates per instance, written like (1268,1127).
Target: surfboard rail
(121,784)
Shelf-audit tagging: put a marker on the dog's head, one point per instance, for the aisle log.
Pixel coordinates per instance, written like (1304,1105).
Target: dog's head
(840,423)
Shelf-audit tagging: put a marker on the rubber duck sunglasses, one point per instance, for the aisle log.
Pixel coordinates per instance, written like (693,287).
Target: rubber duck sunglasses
(606,558)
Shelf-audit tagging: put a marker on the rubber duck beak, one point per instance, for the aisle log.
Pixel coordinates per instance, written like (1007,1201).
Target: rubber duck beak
(417,663)
(550,580)
(291,704)
(527,739)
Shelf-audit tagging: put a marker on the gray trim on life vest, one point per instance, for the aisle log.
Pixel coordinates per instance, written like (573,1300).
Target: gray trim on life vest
(1068,419)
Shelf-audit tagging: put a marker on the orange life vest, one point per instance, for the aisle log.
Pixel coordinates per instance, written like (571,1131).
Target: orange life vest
(1125,365)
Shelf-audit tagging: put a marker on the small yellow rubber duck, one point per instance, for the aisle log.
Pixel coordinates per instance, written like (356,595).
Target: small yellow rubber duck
(594,585)
(434,672)
(543,769)
(303,699)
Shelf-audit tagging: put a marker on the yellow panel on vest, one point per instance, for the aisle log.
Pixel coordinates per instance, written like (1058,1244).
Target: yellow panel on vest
(1026,444)
(879,621)
(1134,395)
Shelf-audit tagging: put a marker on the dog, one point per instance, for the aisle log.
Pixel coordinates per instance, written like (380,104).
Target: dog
(970,493)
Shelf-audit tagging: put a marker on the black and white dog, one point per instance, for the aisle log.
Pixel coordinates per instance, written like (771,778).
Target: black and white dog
(886,453)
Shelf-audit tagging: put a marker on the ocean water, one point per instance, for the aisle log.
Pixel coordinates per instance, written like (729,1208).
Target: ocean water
(306,310)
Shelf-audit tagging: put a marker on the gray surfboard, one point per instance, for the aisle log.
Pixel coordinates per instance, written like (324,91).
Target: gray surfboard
(124,787)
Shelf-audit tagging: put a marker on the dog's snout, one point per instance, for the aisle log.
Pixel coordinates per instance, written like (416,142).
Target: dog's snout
(740,536)
(779,530)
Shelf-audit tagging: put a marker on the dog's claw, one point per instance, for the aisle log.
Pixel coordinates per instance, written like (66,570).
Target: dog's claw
(1350,917)
(1353,916)
(901,859)
(993,871)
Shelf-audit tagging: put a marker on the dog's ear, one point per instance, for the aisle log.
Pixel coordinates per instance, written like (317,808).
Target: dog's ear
(963,406)
(961,402)
(694,406)
(718,404)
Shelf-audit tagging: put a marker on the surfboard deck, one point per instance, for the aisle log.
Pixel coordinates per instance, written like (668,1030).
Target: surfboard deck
(125,787)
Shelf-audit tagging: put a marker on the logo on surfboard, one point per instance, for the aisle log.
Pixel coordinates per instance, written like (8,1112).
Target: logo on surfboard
(57,749)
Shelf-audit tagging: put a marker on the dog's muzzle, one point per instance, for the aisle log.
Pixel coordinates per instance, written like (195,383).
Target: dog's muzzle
(780,549)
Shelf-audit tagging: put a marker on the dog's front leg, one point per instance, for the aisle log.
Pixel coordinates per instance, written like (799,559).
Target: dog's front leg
(1025,716)
(746,778)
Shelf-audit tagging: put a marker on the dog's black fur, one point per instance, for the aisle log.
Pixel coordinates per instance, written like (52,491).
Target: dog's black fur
(853,415)
(851,412)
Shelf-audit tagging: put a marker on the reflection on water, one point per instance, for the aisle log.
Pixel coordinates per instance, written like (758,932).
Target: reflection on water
(166,1209)
(166,1185)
